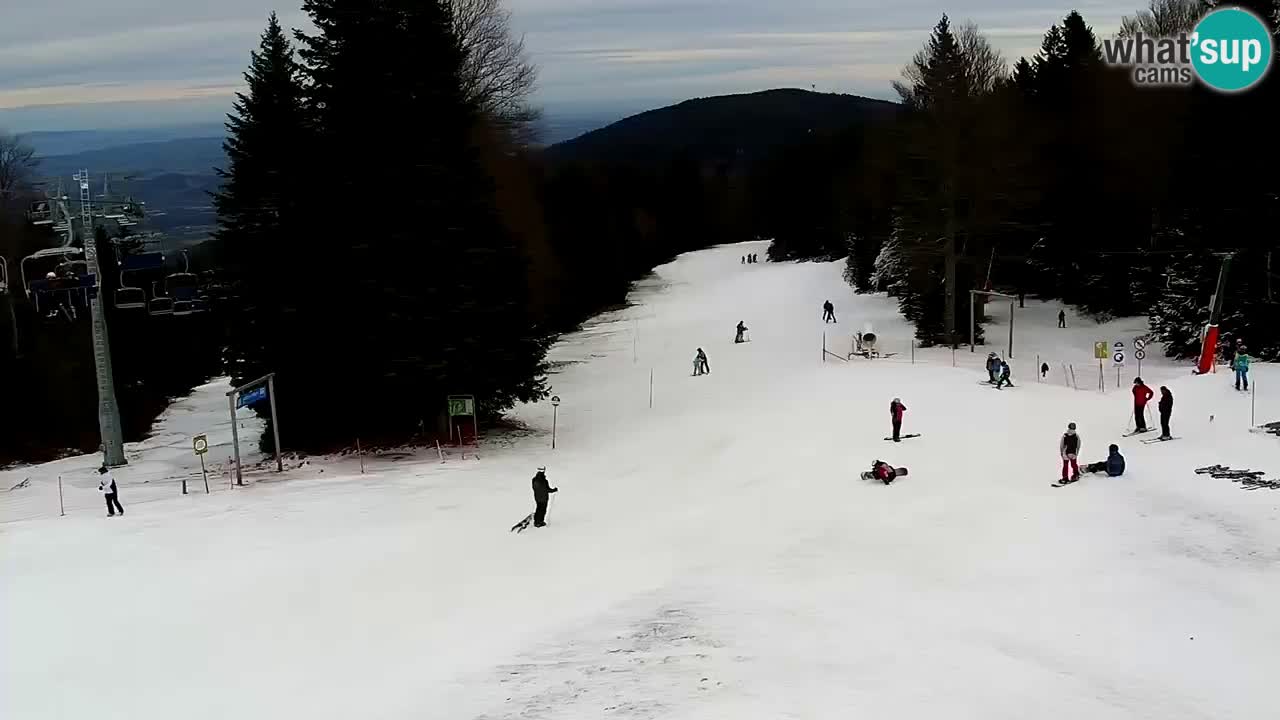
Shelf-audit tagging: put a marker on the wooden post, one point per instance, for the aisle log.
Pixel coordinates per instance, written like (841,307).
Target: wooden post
(62,508)
(913,351)
(184,484)
(824,347)
(235,439)
(360,454)
(1253,404)
(439,451)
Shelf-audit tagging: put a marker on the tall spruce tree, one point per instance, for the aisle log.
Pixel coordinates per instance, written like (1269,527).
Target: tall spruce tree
(425,294)
(949,197)
(261,210)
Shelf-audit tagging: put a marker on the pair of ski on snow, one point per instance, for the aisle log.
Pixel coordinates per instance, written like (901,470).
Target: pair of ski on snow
(1149,441)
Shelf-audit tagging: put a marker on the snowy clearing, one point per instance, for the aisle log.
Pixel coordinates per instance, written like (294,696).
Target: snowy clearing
(714,556)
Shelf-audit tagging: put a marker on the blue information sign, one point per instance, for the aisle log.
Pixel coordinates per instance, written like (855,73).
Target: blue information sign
(255,395)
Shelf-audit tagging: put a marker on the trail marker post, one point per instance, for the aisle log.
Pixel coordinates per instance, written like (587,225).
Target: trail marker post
(555,409)
(199,444)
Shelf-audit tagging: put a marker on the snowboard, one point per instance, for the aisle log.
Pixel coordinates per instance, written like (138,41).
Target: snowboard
(520,526)
(1149,441)
(904,437)
(1064,483)
(898,472)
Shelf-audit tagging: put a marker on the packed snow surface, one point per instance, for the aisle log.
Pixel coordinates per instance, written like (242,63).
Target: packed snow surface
(712,556)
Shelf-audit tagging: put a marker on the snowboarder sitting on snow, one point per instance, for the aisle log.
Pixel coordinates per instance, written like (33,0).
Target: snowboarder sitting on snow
(741,329)
(1113,465)
(828,312)
(1004,375)
(1141,396)
(1069,449)
(896,410)
(883,472)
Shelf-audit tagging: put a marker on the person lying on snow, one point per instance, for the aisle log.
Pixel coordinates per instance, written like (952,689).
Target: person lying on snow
(1113,465)
(883,471)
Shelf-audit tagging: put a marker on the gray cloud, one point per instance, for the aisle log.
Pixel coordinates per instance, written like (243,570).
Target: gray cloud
(72,52)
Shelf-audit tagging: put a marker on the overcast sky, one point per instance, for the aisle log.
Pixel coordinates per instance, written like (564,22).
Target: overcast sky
(88,63)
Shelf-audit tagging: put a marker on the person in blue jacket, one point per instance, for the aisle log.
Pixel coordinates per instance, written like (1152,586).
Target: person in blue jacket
(1113,465)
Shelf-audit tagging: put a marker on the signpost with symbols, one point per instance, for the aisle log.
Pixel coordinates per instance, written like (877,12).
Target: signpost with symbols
(462,406)
(1139,352)
(244,396)
(200,444)
(555,408)
(1117,357)
(1101,353)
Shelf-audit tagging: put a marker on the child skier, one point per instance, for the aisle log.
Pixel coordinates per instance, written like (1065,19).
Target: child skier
(828,312)
(700,366)
(1113,465)
(741,330)
(1141,396)
(1069,449)
(1004,375)
(1241,365)
(896,410)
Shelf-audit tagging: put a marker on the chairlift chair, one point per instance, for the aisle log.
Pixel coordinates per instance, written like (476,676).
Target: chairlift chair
(41,213)
(159,304)
(129,297)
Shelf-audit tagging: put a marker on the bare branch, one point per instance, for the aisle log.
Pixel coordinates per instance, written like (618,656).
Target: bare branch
(1164,18)
(17,166)
(496,72)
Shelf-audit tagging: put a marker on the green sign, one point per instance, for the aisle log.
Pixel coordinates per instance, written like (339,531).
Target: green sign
(462,406)
(1100,350)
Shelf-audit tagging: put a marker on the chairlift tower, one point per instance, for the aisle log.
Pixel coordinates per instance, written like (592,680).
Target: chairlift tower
(108,410)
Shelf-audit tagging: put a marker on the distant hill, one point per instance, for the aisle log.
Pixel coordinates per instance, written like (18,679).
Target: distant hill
(68,142)
(746,127)
(198,155)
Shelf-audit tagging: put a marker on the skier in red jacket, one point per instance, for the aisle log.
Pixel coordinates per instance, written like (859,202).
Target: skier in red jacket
(1141,396)
(896,409)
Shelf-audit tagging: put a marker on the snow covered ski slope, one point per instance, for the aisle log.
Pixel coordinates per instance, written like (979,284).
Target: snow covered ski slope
(715,555)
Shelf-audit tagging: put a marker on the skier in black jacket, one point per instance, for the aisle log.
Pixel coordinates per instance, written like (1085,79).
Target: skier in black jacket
(1166,411)
(541,494)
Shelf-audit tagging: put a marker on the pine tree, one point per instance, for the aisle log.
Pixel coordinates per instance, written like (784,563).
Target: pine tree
(261,222)
(433,295)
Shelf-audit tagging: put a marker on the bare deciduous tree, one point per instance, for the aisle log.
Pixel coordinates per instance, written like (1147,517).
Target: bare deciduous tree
(496,72)
(1164,18)
(17,165)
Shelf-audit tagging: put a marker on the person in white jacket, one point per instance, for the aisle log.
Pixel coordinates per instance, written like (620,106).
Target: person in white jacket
(107,486)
